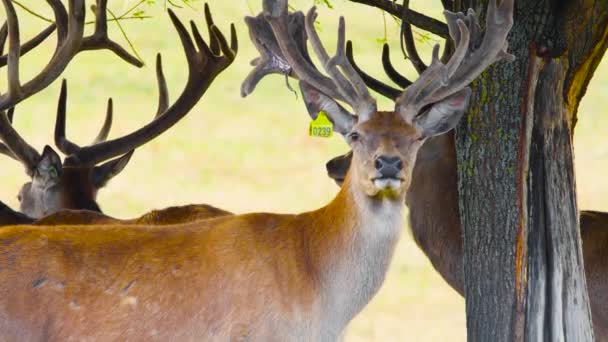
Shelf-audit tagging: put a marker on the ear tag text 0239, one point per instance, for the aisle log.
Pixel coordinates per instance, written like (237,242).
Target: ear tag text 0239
(321,127)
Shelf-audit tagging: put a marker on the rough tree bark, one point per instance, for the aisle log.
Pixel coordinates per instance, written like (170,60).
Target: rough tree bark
(523,263)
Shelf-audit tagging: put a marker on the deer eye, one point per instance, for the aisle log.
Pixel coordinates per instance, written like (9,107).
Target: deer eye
(53,172)
(425,109)
(353,136)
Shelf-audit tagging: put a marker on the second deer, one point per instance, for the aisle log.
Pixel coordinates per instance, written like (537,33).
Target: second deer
(74,183)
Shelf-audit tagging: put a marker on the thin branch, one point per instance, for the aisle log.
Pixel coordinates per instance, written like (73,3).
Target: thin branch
(187,4)
(172,4)
(132,8)
(417,19)
(29,45)
(90,22)
(125,35)
(121,19)
(37,15)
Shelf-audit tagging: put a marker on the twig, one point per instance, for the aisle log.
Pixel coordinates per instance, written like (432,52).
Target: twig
(121,17)
(39,16)
(125,35)
(132,8)
(172,4)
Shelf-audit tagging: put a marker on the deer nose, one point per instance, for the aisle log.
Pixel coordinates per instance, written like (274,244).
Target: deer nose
(388,166)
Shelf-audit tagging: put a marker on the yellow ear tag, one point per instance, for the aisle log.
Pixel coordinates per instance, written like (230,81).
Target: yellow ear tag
(321,126)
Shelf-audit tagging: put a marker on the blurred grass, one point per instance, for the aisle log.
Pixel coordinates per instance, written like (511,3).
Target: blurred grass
(254,154)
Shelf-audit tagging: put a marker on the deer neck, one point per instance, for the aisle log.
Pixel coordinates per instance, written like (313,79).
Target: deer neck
(77,191)
(432,200)
(354,240)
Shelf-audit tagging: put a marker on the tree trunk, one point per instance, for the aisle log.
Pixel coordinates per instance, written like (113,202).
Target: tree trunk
(523,263)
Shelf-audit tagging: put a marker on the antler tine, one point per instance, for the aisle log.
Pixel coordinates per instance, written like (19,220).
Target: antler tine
(272,60)
(100,40)
(30,44)
(344,87)
(17,147)
(380,87)
(365,104)
(163,92)
(70,41)
(3,35)
(10,114)
(203,67)
(3,148)
(61,20)
(214,45)
(350,85)
(275,12)
(107,124)
(62,143)
(70,27)
(468,61)
(390,70)
(407,39)
(344,83)
(14,86)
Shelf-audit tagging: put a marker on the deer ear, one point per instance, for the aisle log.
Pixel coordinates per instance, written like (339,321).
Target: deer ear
(443,115)
(104,173)
(316,101)
(49,167)
(337,168)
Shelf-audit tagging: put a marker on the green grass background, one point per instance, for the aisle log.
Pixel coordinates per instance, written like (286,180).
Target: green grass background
(254,154)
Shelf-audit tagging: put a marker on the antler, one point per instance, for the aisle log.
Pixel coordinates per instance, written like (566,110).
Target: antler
(408,46)
(100,40)
(70,41)
(65,145)
(469,60)
(68,147)
(272,60)
(407,39)
(3,148)
(343,83)
(27,46)
(15,146)
(203,67)
(379,86)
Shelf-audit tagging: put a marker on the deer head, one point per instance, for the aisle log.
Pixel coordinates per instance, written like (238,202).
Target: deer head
(55,186)
(384,144)
(74,183)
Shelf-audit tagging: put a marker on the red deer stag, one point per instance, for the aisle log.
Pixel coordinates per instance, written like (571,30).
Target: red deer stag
(74,184)
(255,276)
(434,180)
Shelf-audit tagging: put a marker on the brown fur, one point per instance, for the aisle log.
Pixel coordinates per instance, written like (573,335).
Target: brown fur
(77,190)
(167,216)
(10,217)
